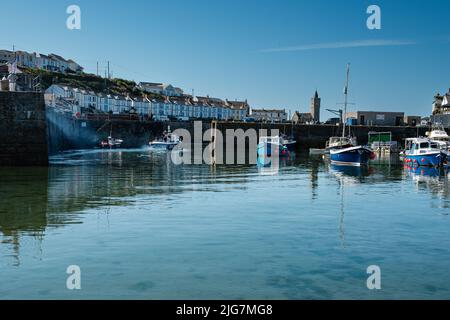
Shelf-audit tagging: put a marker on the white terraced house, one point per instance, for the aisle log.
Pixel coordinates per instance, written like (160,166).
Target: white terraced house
(180,107)
(51,62)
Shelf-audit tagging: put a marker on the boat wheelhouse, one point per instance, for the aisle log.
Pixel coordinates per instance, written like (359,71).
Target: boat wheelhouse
(168,141)
(340,142)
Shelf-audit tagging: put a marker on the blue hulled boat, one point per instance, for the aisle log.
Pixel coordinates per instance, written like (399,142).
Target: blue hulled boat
(352,156)
(343,151)
(424,152)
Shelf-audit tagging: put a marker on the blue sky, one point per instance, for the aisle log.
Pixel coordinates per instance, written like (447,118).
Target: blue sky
(273,53)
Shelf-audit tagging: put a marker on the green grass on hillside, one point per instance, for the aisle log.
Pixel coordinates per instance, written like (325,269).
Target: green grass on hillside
(88,82)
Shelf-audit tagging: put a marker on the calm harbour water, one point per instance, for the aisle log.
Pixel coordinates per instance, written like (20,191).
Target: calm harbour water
(142,228)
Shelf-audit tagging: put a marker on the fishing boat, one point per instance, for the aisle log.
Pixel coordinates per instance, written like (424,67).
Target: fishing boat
(334,143)
(111,143)
(343,152)
(168,141)
(269,146)
(339,143)
(424,152)
(440,136)
(352,156)
(288,142)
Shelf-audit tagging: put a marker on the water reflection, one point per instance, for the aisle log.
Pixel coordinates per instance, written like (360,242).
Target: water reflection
(431,180)
(35,199)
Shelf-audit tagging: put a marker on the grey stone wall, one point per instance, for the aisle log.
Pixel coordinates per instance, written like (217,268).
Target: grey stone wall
(23,129)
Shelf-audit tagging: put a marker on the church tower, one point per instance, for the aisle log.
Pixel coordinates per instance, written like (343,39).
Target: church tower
(315,108)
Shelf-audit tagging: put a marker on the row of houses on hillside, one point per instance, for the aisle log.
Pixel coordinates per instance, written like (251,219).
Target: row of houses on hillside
(161,89)
(183,107)
(51,62)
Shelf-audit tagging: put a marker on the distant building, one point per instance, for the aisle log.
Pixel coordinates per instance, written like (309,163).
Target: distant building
(441,109)
(160,88)
(376,118)
(441,104)
(35,60)
(269,115)
(412,121)
(6,56)
(239,109)
(299,118)
(315,107)
(62,65)
(183,107)
(74,67)
(80,100)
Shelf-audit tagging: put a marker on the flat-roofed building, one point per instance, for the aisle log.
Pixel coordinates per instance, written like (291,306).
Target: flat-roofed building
(269,115)
(376,118)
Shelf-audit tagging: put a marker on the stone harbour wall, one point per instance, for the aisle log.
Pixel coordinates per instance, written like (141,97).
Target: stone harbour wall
(23,129)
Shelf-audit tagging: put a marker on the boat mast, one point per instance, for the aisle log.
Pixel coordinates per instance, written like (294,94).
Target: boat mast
(344,118)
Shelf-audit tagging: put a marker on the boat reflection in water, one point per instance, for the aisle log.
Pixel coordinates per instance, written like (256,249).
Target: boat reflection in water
(433,180)
(271,165)
(352,171)
(426,172)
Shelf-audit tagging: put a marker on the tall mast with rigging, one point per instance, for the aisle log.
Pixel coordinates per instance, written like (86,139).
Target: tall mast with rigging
(344,118)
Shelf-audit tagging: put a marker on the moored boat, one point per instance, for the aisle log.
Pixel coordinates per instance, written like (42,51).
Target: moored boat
(424,152)
(111,143)
(168,141)
(352,156)
(339,143)
(440,136)
(269,146)
(288,142)
(343,150)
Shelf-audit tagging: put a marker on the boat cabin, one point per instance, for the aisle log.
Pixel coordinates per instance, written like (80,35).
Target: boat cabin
(270,140)
(420,145)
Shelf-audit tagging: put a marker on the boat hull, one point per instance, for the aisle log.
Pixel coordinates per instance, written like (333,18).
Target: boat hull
(267,149)
(291,146)
(434,159)
(163,146)
(354,156)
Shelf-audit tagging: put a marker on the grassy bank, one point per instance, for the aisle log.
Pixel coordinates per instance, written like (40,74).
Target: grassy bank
(88,82)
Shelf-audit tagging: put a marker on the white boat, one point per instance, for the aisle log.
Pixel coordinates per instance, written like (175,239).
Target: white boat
(440,136)
(168,141)
(111,143)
